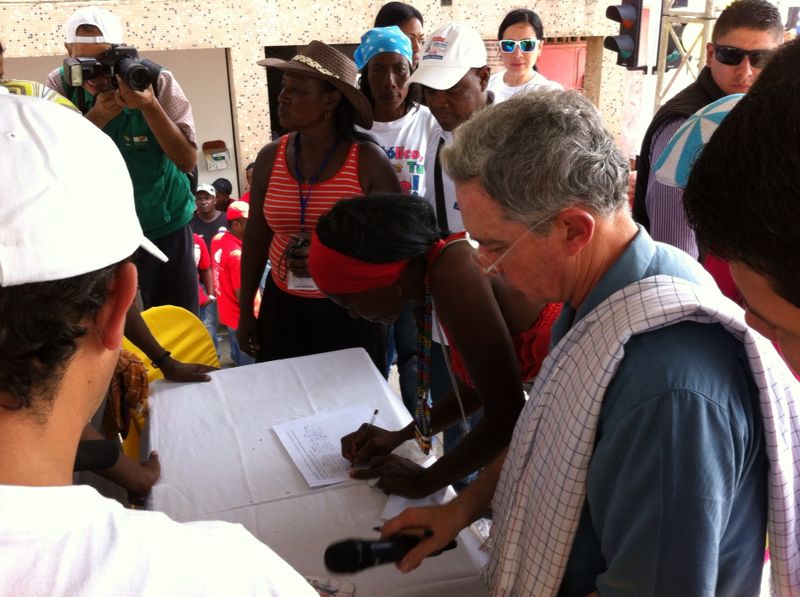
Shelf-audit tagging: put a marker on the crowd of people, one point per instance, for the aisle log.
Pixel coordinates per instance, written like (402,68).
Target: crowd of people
(627,426)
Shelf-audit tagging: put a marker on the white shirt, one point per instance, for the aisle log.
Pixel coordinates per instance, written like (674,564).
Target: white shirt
(73,542)
(502,91)
(454,222)
(405,142)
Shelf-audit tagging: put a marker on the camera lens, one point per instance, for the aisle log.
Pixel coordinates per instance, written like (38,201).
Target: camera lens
(135,74)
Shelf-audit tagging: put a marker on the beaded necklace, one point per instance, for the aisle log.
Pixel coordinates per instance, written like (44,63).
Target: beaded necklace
(422,414)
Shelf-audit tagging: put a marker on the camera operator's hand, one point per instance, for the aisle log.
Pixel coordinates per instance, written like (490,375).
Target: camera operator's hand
(106,108)
(130,98)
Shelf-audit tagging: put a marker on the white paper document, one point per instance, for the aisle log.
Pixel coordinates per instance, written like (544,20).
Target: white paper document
(314,445)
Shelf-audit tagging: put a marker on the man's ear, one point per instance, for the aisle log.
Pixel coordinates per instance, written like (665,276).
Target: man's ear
(110,319)
(577,226)
(484,73)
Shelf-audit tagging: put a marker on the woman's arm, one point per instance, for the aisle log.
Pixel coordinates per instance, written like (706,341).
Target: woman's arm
(255,247)
(375,171)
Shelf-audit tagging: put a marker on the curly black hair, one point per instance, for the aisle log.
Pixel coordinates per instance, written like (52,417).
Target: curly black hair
(41,323)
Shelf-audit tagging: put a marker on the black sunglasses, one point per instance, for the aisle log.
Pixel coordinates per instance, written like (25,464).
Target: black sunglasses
(733,56)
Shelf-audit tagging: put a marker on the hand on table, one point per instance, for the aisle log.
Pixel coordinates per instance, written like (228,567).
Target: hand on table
(445,522)
(149,473)
(185,372)
(369,441)
(396,475)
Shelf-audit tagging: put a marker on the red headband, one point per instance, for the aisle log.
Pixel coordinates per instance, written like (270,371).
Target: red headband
(337,273)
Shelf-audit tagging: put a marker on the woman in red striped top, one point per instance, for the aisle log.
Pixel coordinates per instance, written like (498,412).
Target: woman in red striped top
(295,180)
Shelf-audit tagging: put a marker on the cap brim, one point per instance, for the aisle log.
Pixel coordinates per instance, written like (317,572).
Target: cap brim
(148,246)
(438,77)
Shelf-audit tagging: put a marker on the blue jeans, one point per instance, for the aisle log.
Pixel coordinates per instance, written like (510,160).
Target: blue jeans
(210,318)
(440,386)
(403,341)
(238,356)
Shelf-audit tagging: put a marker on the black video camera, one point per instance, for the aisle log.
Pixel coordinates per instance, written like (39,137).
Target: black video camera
(117,60)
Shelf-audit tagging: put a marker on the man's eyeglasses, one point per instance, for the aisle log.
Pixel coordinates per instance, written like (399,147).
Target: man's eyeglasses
(526,45)
(733,56)
(490,267)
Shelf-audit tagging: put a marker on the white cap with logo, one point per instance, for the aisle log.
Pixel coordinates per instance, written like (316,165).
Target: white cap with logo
(106,22)
(448,55)
(67,206)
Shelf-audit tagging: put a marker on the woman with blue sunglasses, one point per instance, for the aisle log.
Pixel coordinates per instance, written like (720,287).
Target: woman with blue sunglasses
(520,39)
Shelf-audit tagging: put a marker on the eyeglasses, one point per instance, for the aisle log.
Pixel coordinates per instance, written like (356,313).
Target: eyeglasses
(733,56)
(526,45)
(490,267)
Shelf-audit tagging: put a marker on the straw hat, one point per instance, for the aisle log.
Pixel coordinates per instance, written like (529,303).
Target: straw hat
(320,61)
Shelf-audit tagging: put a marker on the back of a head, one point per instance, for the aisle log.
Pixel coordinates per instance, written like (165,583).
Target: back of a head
(54,269)
(396,13)
(760,15)
(222,186)
(379,228)
(538,153)
(743,194)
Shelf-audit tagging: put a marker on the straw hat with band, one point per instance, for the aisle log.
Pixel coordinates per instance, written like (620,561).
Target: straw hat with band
(323,62)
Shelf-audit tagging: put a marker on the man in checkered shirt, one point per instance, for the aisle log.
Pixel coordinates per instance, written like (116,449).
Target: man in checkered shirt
(663,488)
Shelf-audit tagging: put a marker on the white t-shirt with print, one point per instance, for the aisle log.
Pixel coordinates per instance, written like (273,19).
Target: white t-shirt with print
(454,222)
(71,541)
(405,142)
(502,91)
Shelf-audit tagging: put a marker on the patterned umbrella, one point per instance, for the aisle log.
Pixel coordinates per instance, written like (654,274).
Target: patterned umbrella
(677,159)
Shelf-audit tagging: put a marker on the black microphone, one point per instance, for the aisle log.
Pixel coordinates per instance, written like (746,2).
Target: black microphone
(353,555)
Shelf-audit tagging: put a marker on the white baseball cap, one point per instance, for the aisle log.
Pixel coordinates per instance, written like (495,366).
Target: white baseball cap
(106,22)
(448,55)
(208,188)
(67,203)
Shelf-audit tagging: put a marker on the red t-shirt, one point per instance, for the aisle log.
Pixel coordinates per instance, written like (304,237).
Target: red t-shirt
(202,260)
(229,278)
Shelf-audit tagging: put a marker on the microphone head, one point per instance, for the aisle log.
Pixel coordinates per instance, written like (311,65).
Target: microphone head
(345,556)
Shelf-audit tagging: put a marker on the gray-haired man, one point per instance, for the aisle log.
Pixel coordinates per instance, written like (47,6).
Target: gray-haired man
(639,464)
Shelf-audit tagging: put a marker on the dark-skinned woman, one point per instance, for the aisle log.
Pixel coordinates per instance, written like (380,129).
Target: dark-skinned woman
(296,179)
(403,129)
(376,255)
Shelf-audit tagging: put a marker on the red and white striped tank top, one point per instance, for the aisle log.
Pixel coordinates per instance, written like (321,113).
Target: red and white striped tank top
(282,207)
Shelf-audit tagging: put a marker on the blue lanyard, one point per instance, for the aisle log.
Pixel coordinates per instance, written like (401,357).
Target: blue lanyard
(305,197)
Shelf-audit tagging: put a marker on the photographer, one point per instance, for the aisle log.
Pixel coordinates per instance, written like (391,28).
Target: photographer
(154,130)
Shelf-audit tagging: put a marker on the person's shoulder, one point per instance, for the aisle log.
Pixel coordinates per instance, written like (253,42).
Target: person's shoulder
(210,556)
(671,261)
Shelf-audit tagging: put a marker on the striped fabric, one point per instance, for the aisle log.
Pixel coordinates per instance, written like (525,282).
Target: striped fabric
(282,207)
(539,498)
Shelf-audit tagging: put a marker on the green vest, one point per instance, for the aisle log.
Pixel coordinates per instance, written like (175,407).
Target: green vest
(162,195)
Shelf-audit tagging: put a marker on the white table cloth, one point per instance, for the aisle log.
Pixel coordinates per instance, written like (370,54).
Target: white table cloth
(221,460)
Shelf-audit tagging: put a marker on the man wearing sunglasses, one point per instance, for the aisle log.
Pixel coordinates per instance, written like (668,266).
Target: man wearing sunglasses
(745,35)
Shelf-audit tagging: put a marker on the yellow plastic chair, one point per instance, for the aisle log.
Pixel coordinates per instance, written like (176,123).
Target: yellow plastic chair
(184,335)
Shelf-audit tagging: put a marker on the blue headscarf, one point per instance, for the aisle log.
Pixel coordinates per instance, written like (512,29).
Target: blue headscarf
(379,41)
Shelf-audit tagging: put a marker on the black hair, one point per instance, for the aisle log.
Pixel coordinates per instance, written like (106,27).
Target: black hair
(41,323)
(223,185)
(413,97)
(380,228)
(344,118)
(396,13)
(743,194)
(521,15)
(250,166)
(749,14)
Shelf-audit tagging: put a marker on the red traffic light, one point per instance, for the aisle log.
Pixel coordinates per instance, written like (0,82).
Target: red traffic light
(624,14)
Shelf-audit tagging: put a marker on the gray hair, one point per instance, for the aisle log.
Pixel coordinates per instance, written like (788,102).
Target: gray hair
(539,153)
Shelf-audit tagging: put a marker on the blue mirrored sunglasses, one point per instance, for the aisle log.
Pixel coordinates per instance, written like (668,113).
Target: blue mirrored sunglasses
(526,45)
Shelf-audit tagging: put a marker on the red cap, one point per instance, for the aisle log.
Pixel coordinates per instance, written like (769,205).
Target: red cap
(238,209)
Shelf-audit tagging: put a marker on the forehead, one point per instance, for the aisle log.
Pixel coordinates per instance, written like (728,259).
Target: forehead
(203,195)
(411,27)
(748,39)
(387,59)
(483,217)
(519,31)
(92,50)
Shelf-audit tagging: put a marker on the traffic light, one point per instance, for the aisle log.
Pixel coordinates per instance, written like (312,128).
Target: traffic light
(626,44)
